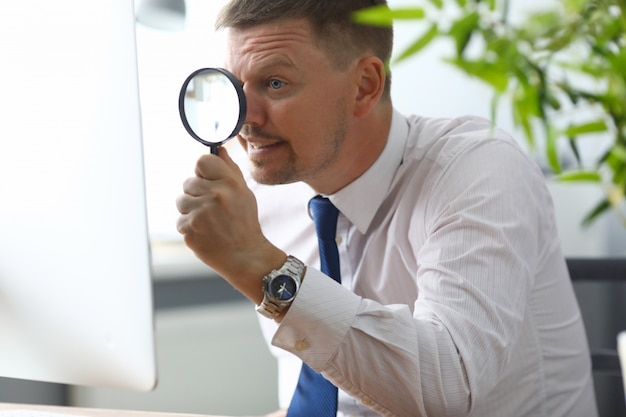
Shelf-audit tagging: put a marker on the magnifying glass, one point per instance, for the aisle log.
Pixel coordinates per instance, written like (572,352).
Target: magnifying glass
(212,106)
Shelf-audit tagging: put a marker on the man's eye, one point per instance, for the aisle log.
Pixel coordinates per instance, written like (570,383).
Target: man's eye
(276,84)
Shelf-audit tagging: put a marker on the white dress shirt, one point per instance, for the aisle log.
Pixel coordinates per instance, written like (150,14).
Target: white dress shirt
(455,297)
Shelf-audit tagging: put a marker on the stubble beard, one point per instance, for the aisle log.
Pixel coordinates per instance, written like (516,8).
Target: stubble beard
(291,171)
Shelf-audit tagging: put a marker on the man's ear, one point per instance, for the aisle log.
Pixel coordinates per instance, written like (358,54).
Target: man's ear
(370,84)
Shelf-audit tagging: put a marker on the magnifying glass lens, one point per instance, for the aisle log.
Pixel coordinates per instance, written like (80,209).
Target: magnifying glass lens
(212,106)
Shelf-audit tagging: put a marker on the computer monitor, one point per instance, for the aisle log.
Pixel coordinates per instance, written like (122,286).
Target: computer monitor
(75,282)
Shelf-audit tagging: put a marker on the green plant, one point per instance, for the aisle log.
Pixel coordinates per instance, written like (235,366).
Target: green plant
(550,64)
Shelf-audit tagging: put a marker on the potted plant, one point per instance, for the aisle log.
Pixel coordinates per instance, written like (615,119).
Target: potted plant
(550,65)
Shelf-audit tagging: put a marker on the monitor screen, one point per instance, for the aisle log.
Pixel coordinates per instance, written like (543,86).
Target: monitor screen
(75,281)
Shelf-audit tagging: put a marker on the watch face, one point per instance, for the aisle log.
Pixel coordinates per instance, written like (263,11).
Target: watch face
(283,287)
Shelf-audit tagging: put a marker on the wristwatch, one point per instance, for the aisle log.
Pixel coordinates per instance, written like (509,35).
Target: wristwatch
(280,287)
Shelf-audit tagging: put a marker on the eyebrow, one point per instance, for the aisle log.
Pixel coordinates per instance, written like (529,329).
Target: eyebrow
(276,62)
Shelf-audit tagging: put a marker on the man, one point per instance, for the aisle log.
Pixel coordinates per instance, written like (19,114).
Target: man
(455,299)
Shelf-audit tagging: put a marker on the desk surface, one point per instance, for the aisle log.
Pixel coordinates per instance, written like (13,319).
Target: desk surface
(91,412)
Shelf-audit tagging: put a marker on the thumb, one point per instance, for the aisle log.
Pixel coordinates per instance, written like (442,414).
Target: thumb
(222,152)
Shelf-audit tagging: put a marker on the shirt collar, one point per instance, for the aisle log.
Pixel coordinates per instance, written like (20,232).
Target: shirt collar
(359,201)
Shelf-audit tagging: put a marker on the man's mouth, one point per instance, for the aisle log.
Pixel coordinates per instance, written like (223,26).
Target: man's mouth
(256,145)
(261,147)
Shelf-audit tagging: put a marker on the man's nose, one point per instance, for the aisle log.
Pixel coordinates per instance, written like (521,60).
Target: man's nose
(255,113)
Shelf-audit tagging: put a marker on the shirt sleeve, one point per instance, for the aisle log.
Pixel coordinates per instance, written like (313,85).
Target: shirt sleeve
(348,338)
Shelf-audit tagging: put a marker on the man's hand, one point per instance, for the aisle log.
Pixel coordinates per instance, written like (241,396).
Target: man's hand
(219,222)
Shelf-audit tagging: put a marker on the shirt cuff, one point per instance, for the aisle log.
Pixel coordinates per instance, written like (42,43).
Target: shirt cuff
(318,320)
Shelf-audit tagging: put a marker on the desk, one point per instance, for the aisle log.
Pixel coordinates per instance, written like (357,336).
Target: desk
(92,412)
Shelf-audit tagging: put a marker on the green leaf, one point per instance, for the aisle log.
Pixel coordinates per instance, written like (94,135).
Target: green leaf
(523,121)
(619,152)
(603,206)
(574,96)
(384,16)
(524,108)
(492,73)
(596,126)
(574,147)
(374,16)
(619,176)
(438,3)
(419,44)
(529,98)
(463,29)
(495,100)
(550,99)
(408,13)
(552,152)
(580,175)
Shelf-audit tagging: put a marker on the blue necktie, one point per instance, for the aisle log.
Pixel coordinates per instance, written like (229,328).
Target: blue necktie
(315,396)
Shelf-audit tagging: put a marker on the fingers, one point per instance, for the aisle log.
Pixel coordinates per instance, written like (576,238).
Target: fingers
(217,185)
(181,225)
(202,186)
(200,193)
(185,205)
(193,217)
(194,191)
(197,186)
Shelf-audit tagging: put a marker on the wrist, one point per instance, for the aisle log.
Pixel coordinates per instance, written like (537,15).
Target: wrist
(280,288)
(247,268)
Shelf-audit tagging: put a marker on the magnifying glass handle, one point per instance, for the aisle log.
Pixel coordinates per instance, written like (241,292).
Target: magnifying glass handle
(213,149)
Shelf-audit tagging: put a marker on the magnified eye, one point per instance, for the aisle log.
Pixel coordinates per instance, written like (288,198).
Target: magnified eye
(276,84)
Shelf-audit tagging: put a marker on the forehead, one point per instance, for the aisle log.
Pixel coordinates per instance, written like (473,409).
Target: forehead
(289,38)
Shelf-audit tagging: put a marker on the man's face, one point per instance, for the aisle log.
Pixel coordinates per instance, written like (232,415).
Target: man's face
(298,112)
